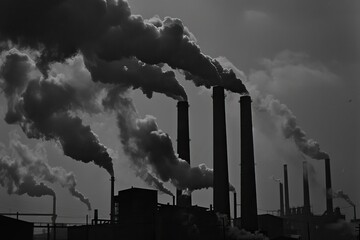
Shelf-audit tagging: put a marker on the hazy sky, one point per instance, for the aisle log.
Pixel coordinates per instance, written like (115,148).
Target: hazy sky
(304,53)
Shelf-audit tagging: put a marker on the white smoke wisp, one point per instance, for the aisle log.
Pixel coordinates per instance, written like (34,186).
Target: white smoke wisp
(150,150)
(282,114)
(25,170)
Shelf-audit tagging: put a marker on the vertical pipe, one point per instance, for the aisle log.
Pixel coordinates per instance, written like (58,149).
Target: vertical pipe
(235,206)
(306,189)
(329,197)
(53,218)
(281,199)
(112,203)
(96,216)
(173,199)
(183,146)
(248,184)
(287,204)
(221,175)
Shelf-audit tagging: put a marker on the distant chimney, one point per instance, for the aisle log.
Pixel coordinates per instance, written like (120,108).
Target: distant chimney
(281,199)
(248,185)
(53,218)
(235,205)
(183,146)
(306,189)
(287,205)
(329,199)
(112,203)
(96,216)
(221,175)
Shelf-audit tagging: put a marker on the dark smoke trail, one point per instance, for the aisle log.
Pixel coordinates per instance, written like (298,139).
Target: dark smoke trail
(150,149)
(108,30)
(21,171)
(341,194)
(43,108)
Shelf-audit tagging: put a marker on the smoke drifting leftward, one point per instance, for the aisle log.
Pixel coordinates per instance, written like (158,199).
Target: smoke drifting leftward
(24,170)
(107,30)
(150,149)
(44,109)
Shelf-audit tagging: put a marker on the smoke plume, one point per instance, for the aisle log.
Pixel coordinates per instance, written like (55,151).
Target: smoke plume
(108,31)
(44,108)
(24,170)
(150,149)
(341,194)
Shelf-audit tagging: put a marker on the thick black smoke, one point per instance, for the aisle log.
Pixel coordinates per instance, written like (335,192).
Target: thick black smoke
(42,107)
(24,170)
(150,149)
(107,30)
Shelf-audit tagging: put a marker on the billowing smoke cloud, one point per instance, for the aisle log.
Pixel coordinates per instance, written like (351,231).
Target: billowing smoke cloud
(24,170)
(288,123)
(341,194)
(44,108)
(108,31)
(150,149)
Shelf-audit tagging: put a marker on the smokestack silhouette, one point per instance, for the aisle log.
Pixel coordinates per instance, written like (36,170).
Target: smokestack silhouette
(183,147)
(287,207)
(248,185)
(54,216)
(112,203)
(329,198)
(235,205)
(281,199)
(221,177)
(306,189)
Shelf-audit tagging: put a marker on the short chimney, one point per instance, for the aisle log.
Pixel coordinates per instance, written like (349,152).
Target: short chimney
(286,186)
(306,189)
(221,175)
(249,216)
(329,197)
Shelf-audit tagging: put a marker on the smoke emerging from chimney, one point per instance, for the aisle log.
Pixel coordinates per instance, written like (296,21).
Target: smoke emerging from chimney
(24,171)
(44,108)
(106,31)
(150,149)
(341,194)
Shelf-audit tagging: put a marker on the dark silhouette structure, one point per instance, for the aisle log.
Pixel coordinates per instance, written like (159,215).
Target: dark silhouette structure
(221,175)
(249,219)
(307,207)
(281,191)
(286,186)
(13,229)
(183,146)
(329,197)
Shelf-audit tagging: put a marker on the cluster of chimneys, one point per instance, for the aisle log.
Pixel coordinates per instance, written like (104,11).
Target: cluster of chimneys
(220,164)
(306,209)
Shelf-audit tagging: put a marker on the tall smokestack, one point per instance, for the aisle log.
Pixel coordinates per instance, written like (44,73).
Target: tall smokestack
(287,207)
(53,218)
(235,205)
(183,146)
(306,189)
(248,185)
(112,203)
(281,199)
(329,197)
(221,175)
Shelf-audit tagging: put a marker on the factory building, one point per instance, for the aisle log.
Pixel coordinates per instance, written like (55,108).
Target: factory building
(14,229)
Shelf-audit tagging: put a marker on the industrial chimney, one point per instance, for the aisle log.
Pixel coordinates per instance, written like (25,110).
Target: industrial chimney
(183,146)
(53,218)
(221,176)
(329,197)
(286,182)
(248,185)
(112,203)
(306,189)
(281,199)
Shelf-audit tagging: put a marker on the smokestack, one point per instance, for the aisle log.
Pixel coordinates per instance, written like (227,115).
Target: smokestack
(235,206)
(112,203)
(221,177)
(53,218)
(306,189)
(281,199)
(183,146)
(96,216)
(248,185)
(287,207)
(329,197)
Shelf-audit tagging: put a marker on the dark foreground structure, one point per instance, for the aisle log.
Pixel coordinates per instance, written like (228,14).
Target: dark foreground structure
(13,229)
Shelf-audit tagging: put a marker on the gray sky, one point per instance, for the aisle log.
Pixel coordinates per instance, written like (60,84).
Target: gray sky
(304,53)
